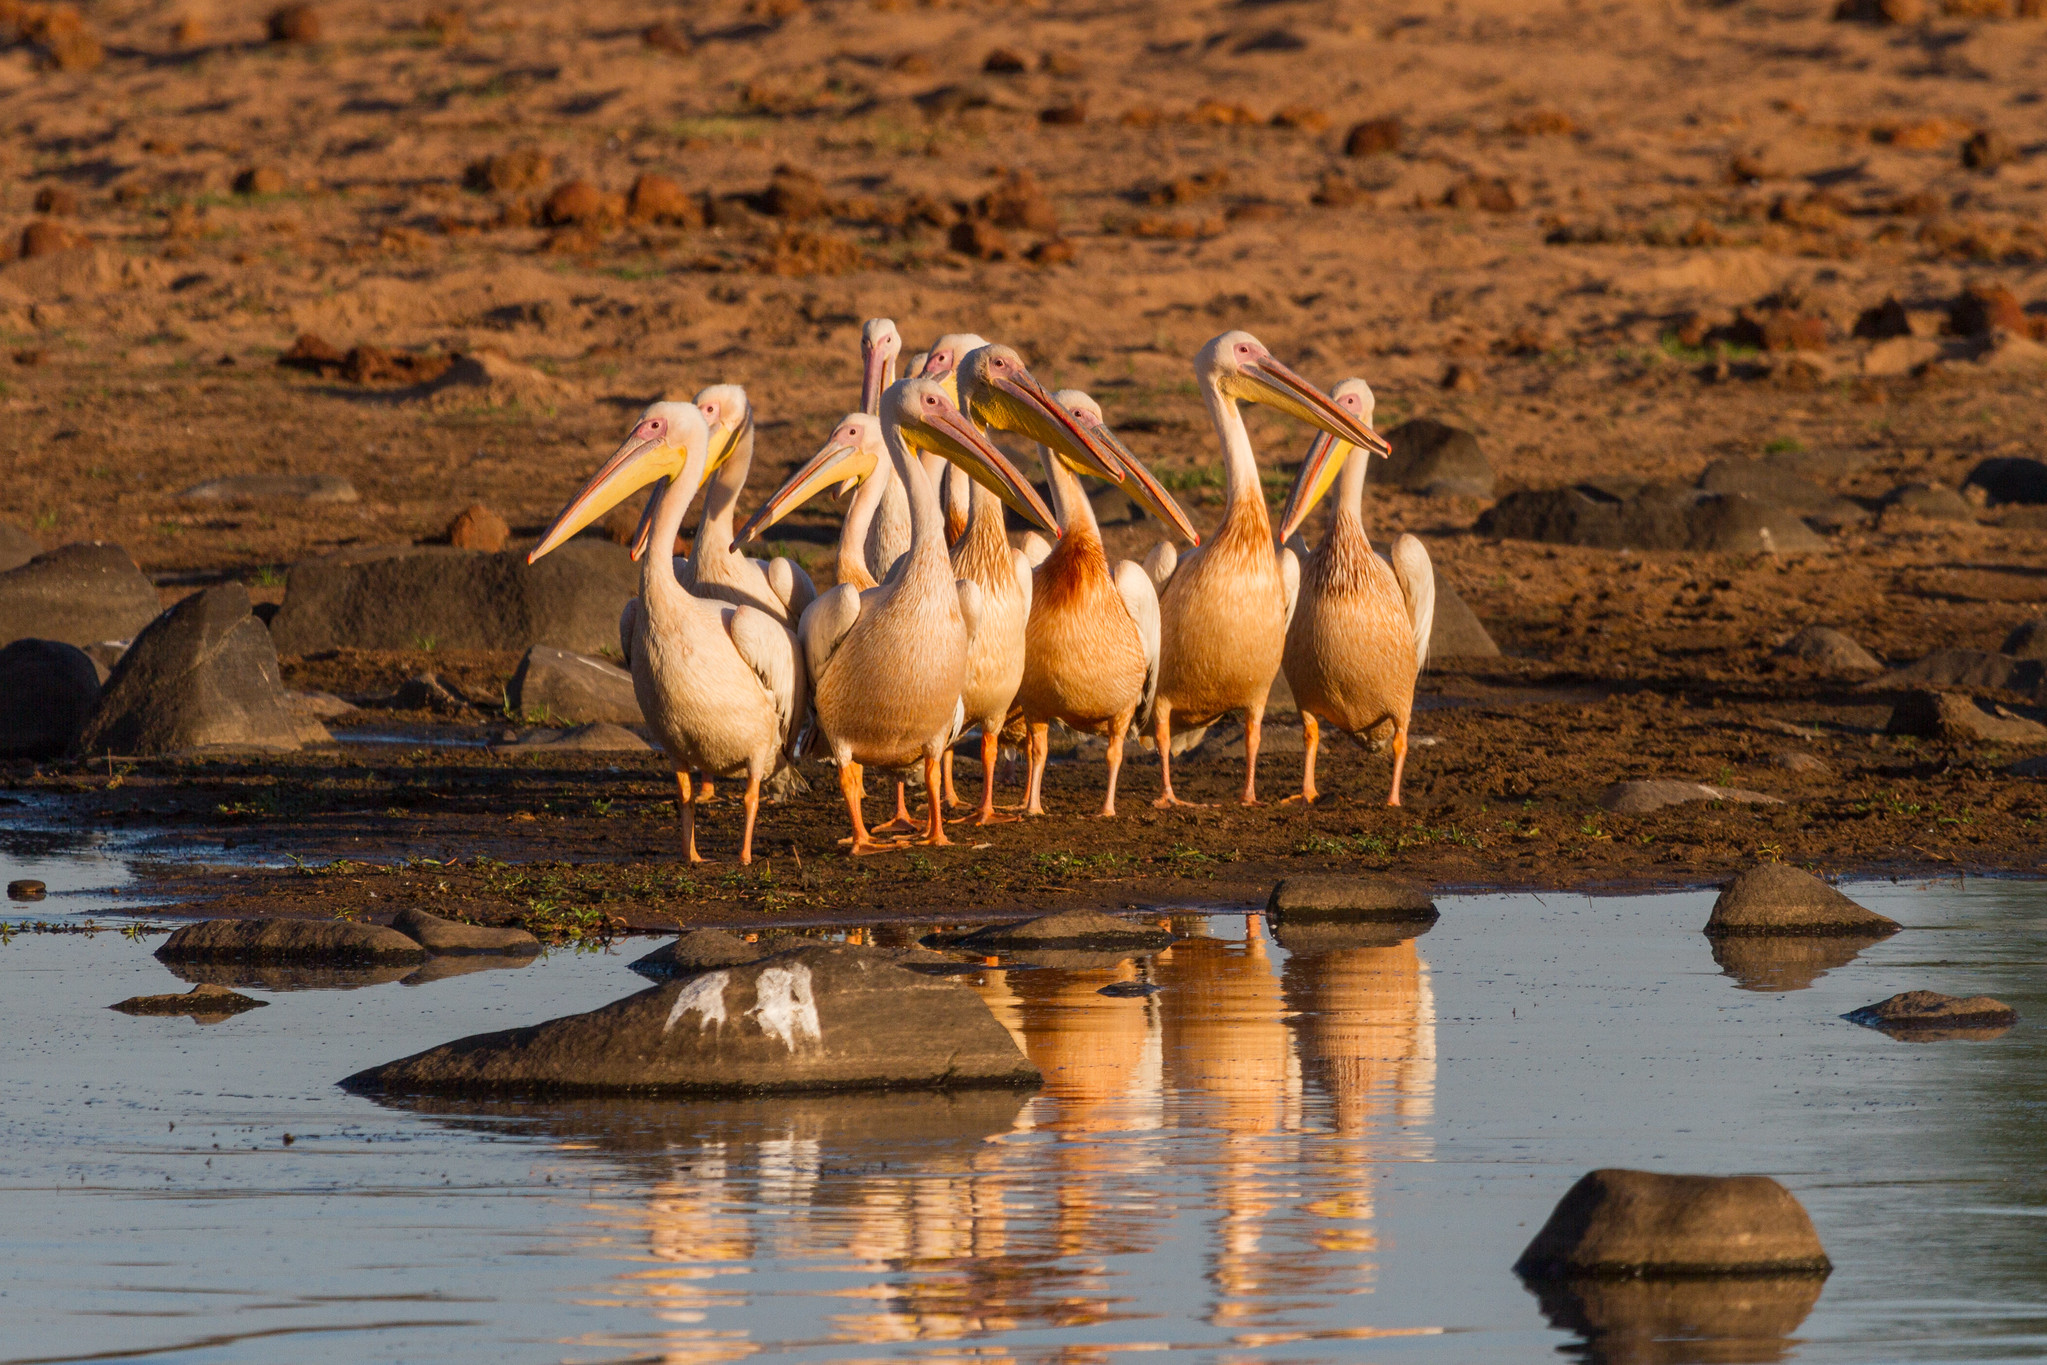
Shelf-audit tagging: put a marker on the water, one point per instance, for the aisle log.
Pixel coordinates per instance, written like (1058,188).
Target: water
(1315,1155)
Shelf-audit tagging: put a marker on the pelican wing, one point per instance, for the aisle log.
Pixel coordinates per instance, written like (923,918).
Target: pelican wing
(628,622)
(1417,577)
(1290,576)
(825,625)
(790,584)
(1141,599)
(970,605)
(1161,562)
(768,648)
(1036,548)
(1025,566)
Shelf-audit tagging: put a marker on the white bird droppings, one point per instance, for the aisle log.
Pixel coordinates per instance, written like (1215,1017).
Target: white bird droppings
(705,995)
(784,1006)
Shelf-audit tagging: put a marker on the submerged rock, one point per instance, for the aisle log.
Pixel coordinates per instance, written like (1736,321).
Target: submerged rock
(1929,1016)
(80,594)
(1653,794)
(25,889)
(203,1001)
(438,935)
(289,940)
(1779,962)
(1829,649)
(204,675)
(699,950)
(1350,898)
(47,689)
(556,685)
(1622,1222)
(1085,929)
(818,1018)
(1775,898)
(1960,720)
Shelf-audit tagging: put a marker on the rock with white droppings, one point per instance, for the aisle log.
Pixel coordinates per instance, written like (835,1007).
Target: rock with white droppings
(700,950)
(823,1018)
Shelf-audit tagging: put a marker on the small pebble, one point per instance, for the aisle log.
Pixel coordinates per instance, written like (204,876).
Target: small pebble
(1123,990)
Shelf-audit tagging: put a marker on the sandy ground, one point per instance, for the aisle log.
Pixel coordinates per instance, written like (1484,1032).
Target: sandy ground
(1573,193)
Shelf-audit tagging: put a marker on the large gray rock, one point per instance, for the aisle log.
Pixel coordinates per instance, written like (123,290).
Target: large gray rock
(80,594)
(560,687)
(406,597)
(47,689)
(273,488)
(1349,898)
(204,675)
(1928,1016)
(1770,481)
(816,1019)
(2010,479)
(700,950)
(1776,898)
(1647,795)
(1654,517)
(1960,720)
(440,936)
(17,547)
(1623,1223)
(1456,632)
(325,941)
(1435,460)
(1968,668)
(1829,650)
(2028,640)
(1931,501)
(1065,929)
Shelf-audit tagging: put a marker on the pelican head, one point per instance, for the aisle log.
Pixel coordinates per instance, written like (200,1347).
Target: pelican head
(942,362)
(880,344)
(853,452)
(1140,484)
(926,421)
(729,416)
(1327,457)
(999,392)
(670,441)
(1238,366)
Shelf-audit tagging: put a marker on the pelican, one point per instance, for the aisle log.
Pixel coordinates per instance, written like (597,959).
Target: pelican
(1224,608)
(1091,656)
(888,665)
(720,684)
(777,586)
(1360,631)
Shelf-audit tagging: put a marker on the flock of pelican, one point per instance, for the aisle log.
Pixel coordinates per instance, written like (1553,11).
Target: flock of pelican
(939,628)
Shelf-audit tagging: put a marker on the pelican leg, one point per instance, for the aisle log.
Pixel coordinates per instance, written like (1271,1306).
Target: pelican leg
(934,832)
(849,787)
(1164,730)
(1308,792)
(1116,731)
(991,749)
(902,823)
(1040,747)
(753,810)
(1254,727)
(1399,762)
(707,792)
(952,797)
(686,789)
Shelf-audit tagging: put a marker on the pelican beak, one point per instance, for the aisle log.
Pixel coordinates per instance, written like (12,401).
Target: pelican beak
(841,461)
(644,532)
(1319,470)
(951,435)
(725,439)
(1139,483)
(1017,402)
(1274,385)
(640,461)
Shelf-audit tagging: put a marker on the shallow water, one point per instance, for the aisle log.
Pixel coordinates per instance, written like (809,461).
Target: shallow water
(1331,1154)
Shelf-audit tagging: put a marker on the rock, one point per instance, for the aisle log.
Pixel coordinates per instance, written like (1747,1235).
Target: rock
(794,193)
(426,692)
(553,686)
(1349,898)
(1986,149)
(17,547)
(1899,355)
(331,942)
(1880,11)
(466,964)
(406,597)
(1771,481)
(1129,990)
(47,689)
(2027,641)
(1975,668)
(1374,137)
(1829,650)
(1792,761)
(578,203)
(1456,632)
(1019,201)
(1765,962)
(657,199)
(521,168)
(204,1001)
(700,950)
(438,935)
(596,737)
(314,488)
(320,706)
(261,180)
(295,974)
(1959,720)
(293,24)
(1653,517)
(1624,1223)
(26,889)
(1665,1320)
(2029,767)
(203,675)
(1653,794)
(1309,937)
(1087,929)
(476,527)
(828,1018)
(1930,501)
(1113,507)
(1928,1016)
(1436,461)
(2010,478)
(1774,898)
(79,594)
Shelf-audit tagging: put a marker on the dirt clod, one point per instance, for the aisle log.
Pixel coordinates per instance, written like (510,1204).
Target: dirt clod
(521,168)
(293,24)
(261,180)
(476,527)
(58,201)
(1374,137)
